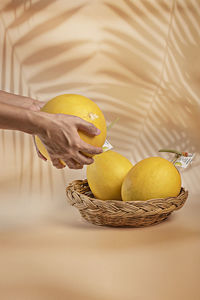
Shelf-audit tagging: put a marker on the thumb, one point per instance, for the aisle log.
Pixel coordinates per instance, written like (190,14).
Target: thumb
(88,127)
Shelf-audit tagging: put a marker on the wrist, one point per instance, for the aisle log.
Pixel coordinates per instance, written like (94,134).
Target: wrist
(20,101)
(39,121)
(35,105)
(23,119)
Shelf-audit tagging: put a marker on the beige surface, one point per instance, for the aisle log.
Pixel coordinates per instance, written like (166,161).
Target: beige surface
(138,60)
(74,260)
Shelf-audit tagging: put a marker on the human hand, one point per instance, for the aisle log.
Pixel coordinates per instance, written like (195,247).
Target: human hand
(59,134)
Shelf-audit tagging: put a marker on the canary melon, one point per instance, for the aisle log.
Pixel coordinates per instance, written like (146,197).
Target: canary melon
(153,177)
(80,106)
(106,174)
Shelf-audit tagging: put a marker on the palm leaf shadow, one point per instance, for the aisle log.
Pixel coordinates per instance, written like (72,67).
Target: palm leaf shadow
(134,67)
(12,5)
(50,52)
(137,51)
(58,70)
(165,129)
(145,33)
(149,35)
(25,16)
(47,25)
(133,20)
(63,87)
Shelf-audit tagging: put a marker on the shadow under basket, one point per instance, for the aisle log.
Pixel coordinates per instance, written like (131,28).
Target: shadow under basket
(120,213)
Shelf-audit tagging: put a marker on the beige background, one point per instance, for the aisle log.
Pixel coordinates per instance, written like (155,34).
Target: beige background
(139,61)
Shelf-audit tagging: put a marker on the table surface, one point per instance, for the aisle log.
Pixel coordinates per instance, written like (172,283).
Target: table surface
(68,258)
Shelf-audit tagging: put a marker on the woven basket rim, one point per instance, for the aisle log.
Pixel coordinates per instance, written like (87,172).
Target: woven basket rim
(119,212)
(93,199)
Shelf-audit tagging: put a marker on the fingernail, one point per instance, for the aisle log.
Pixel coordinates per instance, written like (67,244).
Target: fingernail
(98,131)
(43,158)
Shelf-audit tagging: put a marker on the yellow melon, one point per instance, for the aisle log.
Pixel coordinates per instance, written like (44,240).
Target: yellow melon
(80,106)
(106,174)
(152,177)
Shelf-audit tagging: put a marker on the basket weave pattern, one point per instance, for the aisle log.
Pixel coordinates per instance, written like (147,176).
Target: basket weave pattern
(120,213)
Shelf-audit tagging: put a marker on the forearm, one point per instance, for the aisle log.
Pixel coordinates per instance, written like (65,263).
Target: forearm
(20,101)
(18,118)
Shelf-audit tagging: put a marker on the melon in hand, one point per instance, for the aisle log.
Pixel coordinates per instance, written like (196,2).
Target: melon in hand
(82,107)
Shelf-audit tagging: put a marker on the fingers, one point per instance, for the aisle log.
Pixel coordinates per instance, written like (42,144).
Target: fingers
(87,127)
(68,146)
(57,163)
(72,164)
(83,159)
(84,147)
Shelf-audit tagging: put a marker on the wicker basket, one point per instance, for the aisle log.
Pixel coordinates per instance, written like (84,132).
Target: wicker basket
(119,213)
